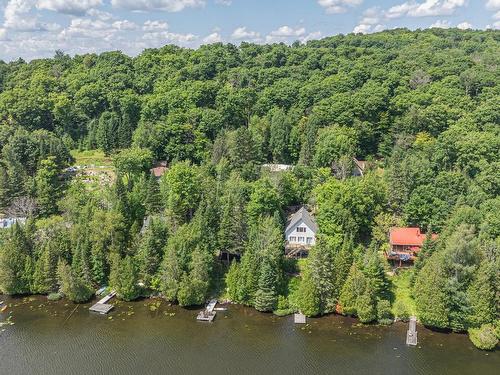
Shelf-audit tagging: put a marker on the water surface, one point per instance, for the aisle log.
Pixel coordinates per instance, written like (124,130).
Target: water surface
(136,340)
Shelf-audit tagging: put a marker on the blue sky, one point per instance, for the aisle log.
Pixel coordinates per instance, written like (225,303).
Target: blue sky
(36,28)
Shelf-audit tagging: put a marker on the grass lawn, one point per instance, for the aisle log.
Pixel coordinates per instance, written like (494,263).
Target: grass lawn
(91,157)
(402,290)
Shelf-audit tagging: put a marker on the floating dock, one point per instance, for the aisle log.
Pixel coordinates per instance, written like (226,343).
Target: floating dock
(102,307)
(299,318)
(208,314)
(411,334)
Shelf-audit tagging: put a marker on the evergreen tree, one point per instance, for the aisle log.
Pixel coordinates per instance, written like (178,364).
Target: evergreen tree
(232,281)
(47,187)
(279,136)
(365,306)
(15,263)
(375,271)
(124,278)
(153,202)
(233,224)
(431,300)
(342,261)
(358,297)
(309,298)
(72,286)
(320,264)
(4,188)
(45,273)
(194,286)
(266,296)
(150,252)
(107,132)
(483,295)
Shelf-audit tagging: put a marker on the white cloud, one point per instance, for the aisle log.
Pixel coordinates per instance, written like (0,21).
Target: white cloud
(441,24)
(496,16)
(164,5)
(212,38)
(103,16)
(288,32)
(162,37)
(155,26)
(87,28)
(338,6)
(362,28)
(311,36)
(426,8)
(17,16)
(223,2)
(124,25)
(75,7)
(242,33)
(464,25)
(493,4)
(370,22)
(3,34)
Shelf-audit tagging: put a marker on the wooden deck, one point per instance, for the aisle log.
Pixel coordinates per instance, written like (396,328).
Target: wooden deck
(411,334)
(208,314)
(102,307)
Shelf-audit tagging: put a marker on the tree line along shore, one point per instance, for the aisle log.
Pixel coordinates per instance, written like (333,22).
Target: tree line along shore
(176,173)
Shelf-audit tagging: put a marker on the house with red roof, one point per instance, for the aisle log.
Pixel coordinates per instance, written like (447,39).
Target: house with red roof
(405,244)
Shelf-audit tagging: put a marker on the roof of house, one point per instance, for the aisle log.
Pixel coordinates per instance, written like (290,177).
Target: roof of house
(407,236)
(305,216)
(159,171)
(361,164)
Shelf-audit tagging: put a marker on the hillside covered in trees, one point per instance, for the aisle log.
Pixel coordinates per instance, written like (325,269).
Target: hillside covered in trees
(422,108)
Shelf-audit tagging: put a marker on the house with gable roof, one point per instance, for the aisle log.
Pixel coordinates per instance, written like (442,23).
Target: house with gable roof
(300,234)
(405,244)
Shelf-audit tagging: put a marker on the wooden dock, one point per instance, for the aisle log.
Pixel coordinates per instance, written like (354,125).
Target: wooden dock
(411,334)
(102,307)
(208,314)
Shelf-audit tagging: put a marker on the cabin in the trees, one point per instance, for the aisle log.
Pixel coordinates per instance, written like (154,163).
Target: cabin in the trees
(10,222)
(343,169)
(300,234)
(159,169)
(359,167)
(277,167)
(405,244)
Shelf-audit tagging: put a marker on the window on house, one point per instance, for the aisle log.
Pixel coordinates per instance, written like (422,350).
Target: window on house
(292,239)
(301,229)
(301,239)
(309,240)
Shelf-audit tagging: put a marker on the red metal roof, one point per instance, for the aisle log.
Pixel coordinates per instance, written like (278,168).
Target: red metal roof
(407,236)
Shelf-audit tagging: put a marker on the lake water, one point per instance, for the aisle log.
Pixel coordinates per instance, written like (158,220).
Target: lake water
(136,340)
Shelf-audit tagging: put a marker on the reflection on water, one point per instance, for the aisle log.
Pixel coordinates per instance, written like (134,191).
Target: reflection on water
(138,338)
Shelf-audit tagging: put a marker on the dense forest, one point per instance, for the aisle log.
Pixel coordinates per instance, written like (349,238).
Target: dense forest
(421,107)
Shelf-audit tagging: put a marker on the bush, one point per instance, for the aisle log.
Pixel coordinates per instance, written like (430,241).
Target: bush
(54,296)
(484,338)
(401,311)
(366,308)
(284,308)
(384,315)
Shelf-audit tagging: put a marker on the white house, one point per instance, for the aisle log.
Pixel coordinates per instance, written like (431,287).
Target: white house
(9,222)
(300,234)
(277,167)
